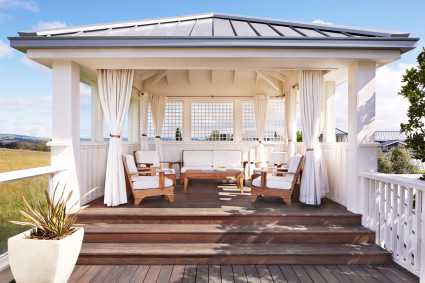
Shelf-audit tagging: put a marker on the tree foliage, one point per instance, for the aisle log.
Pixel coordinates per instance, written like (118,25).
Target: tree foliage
(414,91)
(396,161)
(299,136)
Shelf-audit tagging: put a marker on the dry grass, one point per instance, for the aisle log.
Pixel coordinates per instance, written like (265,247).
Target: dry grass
(10,194)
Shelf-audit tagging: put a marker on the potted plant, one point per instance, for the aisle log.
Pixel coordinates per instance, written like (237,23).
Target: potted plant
(49,251)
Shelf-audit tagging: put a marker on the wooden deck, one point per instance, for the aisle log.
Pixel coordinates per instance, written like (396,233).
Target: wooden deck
(240,273)
(216,224)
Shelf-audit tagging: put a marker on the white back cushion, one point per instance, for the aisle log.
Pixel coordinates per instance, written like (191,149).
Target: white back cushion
(148,157)
(277,158)
(197,158)
(293,167)
(227,158)
(131,166)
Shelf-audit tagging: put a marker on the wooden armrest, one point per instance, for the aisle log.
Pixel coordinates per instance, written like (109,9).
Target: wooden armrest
(275,171)
(147,164)
(282,169)
(144,172)
(171,162)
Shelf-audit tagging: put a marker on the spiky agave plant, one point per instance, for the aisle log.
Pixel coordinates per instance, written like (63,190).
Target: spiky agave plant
(56,221)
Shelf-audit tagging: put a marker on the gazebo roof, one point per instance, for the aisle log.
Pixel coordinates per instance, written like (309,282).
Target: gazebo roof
(214,30)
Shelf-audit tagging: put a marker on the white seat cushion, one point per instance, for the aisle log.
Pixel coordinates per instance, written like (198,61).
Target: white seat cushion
(232,168)
(131,166)
(274,182)
(173,172)
(227,158)
(293,167)
(185,168)
(150,156)
(197,158)
(150,182)
(277,157)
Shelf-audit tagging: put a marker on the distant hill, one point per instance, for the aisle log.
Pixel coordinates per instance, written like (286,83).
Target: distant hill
(9,138)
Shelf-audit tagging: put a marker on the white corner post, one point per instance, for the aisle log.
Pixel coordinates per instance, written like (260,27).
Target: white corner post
(362,154)
(330,109)
(134,119)
(96,114)
(65,144)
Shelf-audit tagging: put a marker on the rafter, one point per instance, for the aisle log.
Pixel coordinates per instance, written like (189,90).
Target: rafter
(147,75)
(158,77)
(269,81)
(234,78)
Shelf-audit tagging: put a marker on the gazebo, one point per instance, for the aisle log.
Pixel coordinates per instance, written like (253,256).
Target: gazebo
(180,80)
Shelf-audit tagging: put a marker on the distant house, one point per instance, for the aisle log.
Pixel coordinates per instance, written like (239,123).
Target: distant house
(340,136)
(390,139)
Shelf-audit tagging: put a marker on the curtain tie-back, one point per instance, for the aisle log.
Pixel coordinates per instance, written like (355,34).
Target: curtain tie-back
(289,140)
(157,137)
(114,136)
(260,141)
(144,135)
(309,149)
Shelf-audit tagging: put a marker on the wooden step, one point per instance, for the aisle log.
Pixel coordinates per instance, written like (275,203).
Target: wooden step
(220,253)
(211,216)
(222,233)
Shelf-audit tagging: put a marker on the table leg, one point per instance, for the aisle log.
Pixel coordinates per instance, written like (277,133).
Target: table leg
(186,184)
(241,179)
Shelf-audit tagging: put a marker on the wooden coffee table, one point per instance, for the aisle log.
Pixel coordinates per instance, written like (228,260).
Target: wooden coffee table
(214,175)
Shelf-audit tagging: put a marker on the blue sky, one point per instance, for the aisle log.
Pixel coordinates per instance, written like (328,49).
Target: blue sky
(25,92)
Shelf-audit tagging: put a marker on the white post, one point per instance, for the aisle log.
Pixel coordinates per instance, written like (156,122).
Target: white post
(186,120)
(330,109)
(96,114)
(134,119)
(65,144)
(361,128)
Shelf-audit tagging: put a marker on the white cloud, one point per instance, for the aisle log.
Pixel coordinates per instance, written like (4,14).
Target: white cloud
(19,4)
(36,129)
(16,104)
(5,50)
(48,25)
(319,21)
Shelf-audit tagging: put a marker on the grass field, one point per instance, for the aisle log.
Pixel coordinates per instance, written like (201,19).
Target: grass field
(10,193)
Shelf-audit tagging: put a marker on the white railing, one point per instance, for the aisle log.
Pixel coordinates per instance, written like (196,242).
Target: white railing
(29,173)
(392,206)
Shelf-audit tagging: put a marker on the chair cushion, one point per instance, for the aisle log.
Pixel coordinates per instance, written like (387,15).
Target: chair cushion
(293,167)
(131,166)
(150,156)
(150,182)
(277,158)
(197,158)
(173,172)
(274,182)
(185,168)
(232,168)
(227,158)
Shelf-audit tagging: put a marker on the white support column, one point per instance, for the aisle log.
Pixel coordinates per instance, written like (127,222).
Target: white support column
(65,144)
(330,109)
(134,119)
(186,120)
(96,114)
(237,121)
(362,155)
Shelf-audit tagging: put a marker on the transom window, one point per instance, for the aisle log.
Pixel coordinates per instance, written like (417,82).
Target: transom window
(275,127)
(212,121)
(172,128)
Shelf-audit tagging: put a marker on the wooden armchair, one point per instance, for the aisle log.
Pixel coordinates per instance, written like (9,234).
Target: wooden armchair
(149,161)
(139,185)
(280,186)
(277,161)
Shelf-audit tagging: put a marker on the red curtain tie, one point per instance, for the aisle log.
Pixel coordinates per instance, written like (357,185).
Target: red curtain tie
(114,136)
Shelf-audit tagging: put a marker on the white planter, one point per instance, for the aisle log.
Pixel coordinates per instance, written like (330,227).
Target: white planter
(44,260)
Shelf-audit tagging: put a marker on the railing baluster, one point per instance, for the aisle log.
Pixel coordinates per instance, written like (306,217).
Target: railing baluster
(377,219)
(370,195)
(388,219)
(394,218)
(382,213)
(422,242)
(408,239)
(417,237)
(401,223)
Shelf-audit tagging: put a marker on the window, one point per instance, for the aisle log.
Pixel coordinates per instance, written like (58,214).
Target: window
(172,128)
(85,112)
(212,121)
(274,126)
(249,132)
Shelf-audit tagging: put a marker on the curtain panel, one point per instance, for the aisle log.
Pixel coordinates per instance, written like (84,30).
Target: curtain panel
(314,182)
(158,104)
(144,108)
(115,93)
(260,109)
(291,122)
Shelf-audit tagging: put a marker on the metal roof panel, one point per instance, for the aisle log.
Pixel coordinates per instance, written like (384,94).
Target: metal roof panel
(182,28)
(243,28)
(264,29)
(203,27)
(222,27)
(287,31)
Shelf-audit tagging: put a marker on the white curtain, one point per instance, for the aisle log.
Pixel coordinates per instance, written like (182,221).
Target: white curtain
(260,109)
(144,108)
(158,104)
(314,183)
(291,122)
(115,93)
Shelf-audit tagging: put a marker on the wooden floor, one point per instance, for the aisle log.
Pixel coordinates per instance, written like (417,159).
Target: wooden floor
(240,273)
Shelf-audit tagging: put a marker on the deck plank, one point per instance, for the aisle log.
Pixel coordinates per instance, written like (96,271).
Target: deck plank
(214,275)
(165,274)
(363,274)
(276,273)
(152,274)
(327,274)
(115,274)
(350,273)
(387,271)
(264,274)
(90,274)
(314,274)
(239,274)
(78,272)
(140,274)
(189,274)
(127,274)
(227,274)
(202,273)
(251,273)
(103,274)
(289,273)
(375,273)
(177,274)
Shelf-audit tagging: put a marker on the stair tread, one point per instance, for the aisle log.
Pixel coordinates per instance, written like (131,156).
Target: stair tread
(209,249)
(221,228)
